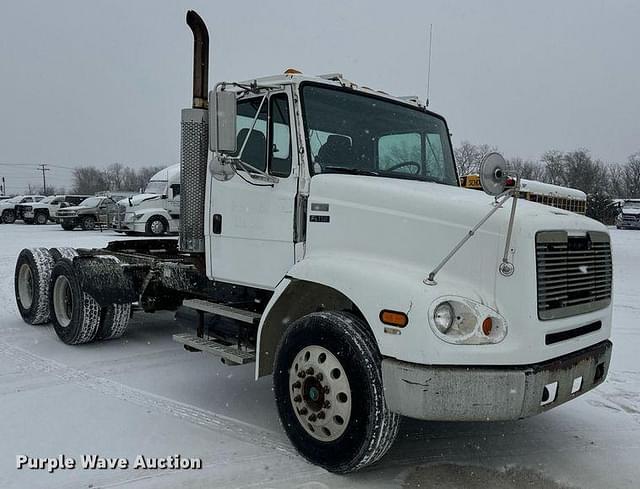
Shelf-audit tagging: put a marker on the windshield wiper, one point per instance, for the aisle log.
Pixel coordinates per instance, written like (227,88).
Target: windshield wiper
(353,171)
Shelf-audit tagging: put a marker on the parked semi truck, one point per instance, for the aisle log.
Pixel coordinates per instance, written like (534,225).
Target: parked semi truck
(325,237)
(154,212)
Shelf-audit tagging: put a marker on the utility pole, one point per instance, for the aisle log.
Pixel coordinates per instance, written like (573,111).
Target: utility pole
(43,168)
(3,187)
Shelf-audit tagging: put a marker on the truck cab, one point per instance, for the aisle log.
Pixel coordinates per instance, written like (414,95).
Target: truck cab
(156,211)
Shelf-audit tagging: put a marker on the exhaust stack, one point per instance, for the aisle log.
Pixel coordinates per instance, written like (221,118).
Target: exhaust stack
(195,144)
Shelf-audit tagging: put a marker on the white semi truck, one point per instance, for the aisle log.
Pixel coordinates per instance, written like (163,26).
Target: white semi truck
(325,237)
(156,211)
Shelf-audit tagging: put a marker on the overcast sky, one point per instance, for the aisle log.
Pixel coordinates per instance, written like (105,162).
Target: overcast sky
(97,82)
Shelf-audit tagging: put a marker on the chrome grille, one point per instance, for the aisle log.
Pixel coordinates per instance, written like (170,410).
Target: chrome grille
(574,273)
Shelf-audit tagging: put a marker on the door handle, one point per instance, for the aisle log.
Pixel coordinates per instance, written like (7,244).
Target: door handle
(216,224)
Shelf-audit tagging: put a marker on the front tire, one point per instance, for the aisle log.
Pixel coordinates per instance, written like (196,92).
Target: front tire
(88,223)
(68,227)
(156,226)
(329,392)
(31,280)
(75,314)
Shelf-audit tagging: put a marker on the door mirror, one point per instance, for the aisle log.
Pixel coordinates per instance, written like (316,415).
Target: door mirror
(222,121)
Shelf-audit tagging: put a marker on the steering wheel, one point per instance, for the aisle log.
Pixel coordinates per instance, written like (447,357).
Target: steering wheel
(414,164)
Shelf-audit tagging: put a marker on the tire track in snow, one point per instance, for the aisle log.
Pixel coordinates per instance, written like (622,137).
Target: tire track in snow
(228,426)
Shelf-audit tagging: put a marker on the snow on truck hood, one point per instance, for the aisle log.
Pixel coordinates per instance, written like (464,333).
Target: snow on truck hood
(443,203)
(138,198)
(632,211)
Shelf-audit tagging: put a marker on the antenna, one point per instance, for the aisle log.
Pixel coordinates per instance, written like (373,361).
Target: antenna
(429,65)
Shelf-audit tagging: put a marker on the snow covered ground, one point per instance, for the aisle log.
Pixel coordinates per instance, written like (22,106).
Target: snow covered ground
(144,394)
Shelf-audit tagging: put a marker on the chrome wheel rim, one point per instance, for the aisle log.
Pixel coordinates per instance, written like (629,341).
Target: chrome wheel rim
(320,393)
(63,301)
(89,223)
(25,286)
(157,227)
(41,219)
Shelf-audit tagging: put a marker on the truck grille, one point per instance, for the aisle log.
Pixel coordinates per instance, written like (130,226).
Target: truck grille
(573,272)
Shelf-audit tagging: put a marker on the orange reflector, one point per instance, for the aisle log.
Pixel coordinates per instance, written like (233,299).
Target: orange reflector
(394,318)
(292,71)
(487,326)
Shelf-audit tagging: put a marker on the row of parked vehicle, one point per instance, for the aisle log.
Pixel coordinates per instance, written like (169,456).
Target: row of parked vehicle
(154,212)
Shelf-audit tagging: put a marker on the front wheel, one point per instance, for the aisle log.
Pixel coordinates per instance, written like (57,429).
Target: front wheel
(156,226)
(329,392)
(68,227)
(88,223)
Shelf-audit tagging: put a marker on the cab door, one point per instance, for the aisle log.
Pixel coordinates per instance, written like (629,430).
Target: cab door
(252,221)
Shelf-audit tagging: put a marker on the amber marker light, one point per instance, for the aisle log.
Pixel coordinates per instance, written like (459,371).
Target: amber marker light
(487,326)
(292,71)
(394,318)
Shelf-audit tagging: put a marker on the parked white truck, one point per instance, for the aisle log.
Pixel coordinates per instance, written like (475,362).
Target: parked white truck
(154,212)
(324,230)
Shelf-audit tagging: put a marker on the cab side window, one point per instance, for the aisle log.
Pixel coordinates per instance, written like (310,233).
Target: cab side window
(280,136)
(255,149)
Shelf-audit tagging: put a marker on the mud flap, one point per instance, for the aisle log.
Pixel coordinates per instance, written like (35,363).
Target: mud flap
(105,280)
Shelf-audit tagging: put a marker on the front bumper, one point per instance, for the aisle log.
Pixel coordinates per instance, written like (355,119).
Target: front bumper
(454,393)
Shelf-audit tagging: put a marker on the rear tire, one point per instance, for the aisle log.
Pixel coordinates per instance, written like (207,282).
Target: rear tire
(88,223)
(156,226)
(40,218)
(75,314)
(9,216)
(31,281)
(356,428)
(114,320)
(63,252)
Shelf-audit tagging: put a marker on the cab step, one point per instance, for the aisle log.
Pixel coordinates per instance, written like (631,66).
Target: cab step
(223,310)
(231,354)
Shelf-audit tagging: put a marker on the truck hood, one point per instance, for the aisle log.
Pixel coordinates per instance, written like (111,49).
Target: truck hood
(413,225)
(138,199)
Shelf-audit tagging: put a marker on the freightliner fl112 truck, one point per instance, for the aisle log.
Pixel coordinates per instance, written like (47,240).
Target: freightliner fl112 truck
(325,237)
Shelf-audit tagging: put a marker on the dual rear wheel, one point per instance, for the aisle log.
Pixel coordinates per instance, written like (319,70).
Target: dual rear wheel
(48,289)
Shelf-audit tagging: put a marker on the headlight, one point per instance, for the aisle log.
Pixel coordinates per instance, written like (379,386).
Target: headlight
(443,317)
(465,322)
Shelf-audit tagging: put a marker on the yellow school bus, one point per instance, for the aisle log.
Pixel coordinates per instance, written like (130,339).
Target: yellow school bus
(569,199)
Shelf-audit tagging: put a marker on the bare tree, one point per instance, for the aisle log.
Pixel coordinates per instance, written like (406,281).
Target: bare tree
(469,156)
(632,176)
(531,170)
(89,180)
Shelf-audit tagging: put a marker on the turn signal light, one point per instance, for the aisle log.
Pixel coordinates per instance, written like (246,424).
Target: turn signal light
(487,326)
(394,318)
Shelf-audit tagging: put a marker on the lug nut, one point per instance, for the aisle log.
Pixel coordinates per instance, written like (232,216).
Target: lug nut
(297,384)
(326,389)
(312,418)
(319,376)
(327,404)
(303,411)
(310,371)
(301,374)
(297,399)
(321,415)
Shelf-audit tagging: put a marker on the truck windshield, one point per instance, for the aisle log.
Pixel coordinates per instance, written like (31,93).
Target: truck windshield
(91,202)
(156,187)
(347,132)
